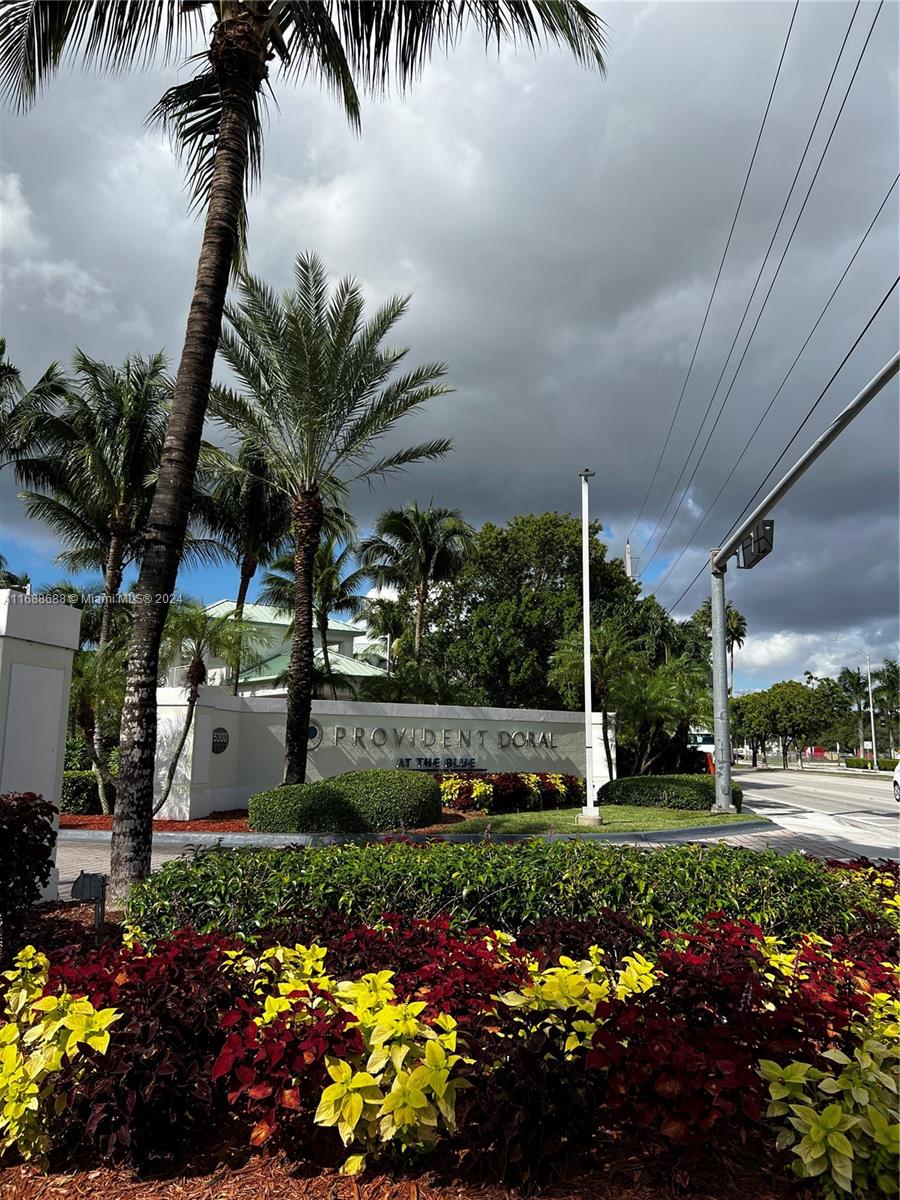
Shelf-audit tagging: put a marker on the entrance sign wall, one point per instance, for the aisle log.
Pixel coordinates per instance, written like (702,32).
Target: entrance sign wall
(236,745)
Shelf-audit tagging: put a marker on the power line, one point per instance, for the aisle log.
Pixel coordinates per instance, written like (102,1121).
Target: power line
(756,322)
(794,435)
(715,286)
(768,407)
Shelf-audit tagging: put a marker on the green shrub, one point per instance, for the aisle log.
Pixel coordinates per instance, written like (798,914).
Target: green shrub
(865,764)
(304,808)
(358,802)
(667,791)
(26,859)
(502,885)
(78,757)
(79,794)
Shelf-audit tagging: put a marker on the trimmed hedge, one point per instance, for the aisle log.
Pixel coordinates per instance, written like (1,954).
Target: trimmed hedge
(303,808)
(504,886)
(865,764)
(79,794)
(77,755)
(358,802)
(695,792)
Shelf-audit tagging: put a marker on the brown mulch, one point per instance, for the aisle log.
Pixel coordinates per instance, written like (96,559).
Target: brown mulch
(274,1178)
(64,930)
(217,822)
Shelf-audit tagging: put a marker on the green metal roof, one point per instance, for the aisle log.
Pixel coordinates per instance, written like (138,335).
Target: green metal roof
(266,614)
(341,664)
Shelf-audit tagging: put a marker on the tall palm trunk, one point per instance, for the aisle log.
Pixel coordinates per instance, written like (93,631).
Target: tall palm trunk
(237,54)
(861,733)
(307,526)
(604,716)
(112,584)
(421,601)
(196,674)
(248,570)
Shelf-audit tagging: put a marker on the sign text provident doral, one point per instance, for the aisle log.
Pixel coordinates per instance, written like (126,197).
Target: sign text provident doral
(443,739)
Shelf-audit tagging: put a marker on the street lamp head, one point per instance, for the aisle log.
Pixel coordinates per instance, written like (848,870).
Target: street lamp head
(586,474)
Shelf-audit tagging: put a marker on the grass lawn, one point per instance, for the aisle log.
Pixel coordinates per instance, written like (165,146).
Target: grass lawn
(617,818)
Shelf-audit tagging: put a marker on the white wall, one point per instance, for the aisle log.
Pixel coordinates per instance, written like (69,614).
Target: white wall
(352,736)
(37,642)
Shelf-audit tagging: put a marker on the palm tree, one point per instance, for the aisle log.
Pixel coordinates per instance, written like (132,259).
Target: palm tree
(95,701)
(94,455)
(856,688)
(666,700)
(48,390)
(216,120)
(318,397)
(194,634)
(735,634)
(414,548)
(612,657)
(12,581)
(887,696)
(248,517)
(389,620)
(336,589)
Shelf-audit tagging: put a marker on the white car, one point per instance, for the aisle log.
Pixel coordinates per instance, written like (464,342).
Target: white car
(897,783)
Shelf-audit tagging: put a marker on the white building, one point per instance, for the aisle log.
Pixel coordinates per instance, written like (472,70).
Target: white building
(347,644)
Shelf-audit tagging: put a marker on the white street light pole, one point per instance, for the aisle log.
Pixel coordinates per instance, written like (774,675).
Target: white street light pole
(591,810)
(872,714)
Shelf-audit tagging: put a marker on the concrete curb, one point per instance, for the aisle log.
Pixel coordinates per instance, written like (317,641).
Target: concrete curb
(262,841)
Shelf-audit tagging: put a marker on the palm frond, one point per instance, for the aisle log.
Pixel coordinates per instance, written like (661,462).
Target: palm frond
(401,459)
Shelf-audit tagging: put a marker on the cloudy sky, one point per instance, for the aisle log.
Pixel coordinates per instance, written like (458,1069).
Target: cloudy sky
(560,234)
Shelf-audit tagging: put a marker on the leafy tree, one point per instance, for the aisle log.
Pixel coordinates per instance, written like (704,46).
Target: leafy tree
(337,588)
(195,635)
(752,721)
(387,619)
(495,627)
(796,712)
(247,516)
(318,396)
(216,119)
(412,549)
(613,655)
(656,710)
(409,682)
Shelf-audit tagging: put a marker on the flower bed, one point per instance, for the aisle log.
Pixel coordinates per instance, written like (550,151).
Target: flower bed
(408,1041)
(509,791)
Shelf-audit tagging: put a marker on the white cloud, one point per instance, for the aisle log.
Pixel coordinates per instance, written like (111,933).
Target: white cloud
(18,234)
(62,286)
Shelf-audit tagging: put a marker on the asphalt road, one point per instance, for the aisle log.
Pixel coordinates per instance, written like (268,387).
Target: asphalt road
(860,809)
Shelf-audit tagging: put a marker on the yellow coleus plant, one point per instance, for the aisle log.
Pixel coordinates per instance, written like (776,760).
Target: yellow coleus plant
(581,986)
(39,1034)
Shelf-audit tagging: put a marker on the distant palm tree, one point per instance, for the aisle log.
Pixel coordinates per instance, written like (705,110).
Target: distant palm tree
(248,516)
(414,548)
(194,634)
(318,396)
(613,655)
(95,702)
(735,634)
(887,696)
(337,588)
(12,581)
(856,688)
(388,620)
(217,121)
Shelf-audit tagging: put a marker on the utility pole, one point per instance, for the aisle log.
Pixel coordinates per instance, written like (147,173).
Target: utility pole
(628,570)
(754,539)
(721,723)
(590,814)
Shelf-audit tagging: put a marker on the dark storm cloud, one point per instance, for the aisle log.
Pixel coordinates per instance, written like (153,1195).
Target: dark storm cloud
(560,234)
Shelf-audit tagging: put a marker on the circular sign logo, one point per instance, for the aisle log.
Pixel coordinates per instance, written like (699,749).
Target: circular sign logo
(219,740)
(313,736)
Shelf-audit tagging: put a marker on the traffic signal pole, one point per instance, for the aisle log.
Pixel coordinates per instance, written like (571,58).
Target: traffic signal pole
(718,561)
